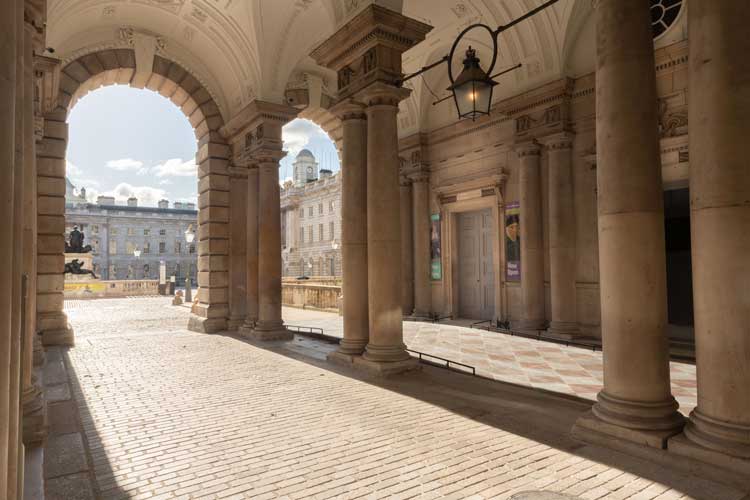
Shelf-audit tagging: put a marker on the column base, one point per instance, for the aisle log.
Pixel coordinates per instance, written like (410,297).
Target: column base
(591,429)
(386,354)
(383,368)
(206,325)
(647,424)
(235,323)
(351,347)
(564,330)
(270,332)
(419,315)
(721,437)
(34,416)
(684,446)
(59,336)
(528,325)
(246,328)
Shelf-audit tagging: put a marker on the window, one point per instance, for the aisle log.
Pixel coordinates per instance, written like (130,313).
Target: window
(113,230)
(146,232)
(145,270)
(309,211)
(112,247)
(320,230)
(331,229)
(301,235)
(162,247)
(147,247)
(310,233)
(320,208)
(177,247)
(664,13)
(112,272)
(191,249)
(162,232)
(301,213)
(131,231)
(330,206)
(129,248)
(95,229)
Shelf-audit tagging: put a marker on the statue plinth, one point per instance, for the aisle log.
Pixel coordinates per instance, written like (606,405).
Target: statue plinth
(86,260)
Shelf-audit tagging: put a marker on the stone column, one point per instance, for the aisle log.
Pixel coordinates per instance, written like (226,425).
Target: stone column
(386,351)
(720,227)
(237,247)
(353,232)
(407,248)
(51,319)
(252,250)
(562,237)
(532,245)
(636,403)
(270,326)
(366,54)
(15,453)
(34,415)
(8,101)
(421,218)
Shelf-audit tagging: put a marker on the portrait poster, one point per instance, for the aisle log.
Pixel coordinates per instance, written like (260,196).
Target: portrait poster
(436,266)
(513,241)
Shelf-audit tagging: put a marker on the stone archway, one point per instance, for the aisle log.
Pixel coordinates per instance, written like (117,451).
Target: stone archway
(149,70)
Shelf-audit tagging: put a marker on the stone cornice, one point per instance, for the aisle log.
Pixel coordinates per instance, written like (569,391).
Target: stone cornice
(529,148)
(372,26)
(254,114)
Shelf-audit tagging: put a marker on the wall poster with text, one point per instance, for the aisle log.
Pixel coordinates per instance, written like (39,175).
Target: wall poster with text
(436,266)
(513,241)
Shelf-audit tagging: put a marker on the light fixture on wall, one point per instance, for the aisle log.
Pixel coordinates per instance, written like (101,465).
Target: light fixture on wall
(472,89)
(189,237)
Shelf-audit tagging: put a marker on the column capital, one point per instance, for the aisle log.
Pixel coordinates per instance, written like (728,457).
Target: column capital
(420,176)
(558,141)
(404,181)
(530,148)
(348,109)
(368,48)
(382,94)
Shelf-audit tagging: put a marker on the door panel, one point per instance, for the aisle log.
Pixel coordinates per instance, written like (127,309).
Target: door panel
(468,265)
(476,287)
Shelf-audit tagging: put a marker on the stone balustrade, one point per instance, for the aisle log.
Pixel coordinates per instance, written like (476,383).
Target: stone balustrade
(96,289)
(311,296)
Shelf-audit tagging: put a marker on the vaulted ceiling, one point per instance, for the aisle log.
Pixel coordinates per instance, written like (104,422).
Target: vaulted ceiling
(242,49)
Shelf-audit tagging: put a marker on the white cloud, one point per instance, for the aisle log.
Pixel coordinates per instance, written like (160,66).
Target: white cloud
(71,170)
(165,182)
(124,164)
(147,195)
(299,133)
(176,168)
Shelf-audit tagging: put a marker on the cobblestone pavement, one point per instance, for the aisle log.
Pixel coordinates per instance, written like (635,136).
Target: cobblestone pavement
(528,362)
(166,413)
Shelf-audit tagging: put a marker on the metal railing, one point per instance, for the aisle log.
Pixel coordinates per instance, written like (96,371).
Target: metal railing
(447,362)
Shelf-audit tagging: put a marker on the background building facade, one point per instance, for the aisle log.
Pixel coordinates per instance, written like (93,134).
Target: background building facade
(311,220)
(116,231)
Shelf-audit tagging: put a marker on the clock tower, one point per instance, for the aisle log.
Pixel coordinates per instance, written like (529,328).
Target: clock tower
(305,168)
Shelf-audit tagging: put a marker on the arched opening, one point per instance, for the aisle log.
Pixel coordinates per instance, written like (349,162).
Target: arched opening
(209,207)
(310,177)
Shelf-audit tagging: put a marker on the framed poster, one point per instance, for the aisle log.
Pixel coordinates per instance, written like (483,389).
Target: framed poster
(513,241)
(436,265)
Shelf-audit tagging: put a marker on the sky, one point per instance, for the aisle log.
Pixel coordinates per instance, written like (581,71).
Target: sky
(130,142)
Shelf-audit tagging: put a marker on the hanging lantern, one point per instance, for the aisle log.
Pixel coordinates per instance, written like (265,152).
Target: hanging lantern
(472,89)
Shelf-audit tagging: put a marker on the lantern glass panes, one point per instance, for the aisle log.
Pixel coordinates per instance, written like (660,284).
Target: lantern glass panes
(472,90)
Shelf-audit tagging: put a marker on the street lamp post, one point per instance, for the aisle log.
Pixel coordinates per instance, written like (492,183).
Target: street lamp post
(189,237)
(137,255)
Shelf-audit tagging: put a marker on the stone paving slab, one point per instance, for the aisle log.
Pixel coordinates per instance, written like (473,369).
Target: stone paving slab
(169,413)
(534,363)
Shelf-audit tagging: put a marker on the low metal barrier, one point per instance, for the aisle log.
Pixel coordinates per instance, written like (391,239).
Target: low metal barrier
(447,362)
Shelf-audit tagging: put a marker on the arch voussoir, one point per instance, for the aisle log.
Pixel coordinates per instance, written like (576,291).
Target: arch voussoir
(117,66)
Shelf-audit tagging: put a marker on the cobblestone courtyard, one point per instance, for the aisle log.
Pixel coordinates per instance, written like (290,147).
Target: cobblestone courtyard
(142,408)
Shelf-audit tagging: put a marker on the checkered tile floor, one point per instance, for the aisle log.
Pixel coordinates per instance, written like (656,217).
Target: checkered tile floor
(527,362)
